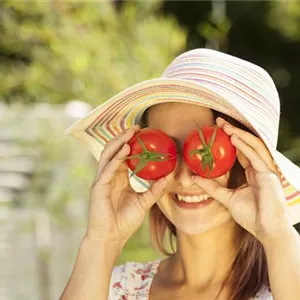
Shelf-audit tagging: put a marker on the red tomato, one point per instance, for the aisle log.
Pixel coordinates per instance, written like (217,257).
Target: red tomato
(152,154)
(211,154)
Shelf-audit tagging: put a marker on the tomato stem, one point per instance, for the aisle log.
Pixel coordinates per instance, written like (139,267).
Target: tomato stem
(147,156)
(213,137)
(205,151)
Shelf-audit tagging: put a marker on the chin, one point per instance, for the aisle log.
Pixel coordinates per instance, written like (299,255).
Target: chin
(194,230)
(197,226)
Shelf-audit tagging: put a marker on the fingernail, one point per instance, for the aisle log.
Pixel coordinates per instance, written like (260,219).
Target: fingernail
(234,138)
(125,146)
(227,126)
(130,130)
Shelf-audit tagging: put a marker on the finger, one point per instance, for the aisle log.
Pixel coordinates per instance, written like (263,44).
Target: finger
(252,140)
(215,190)
(251,175)
(244,161)
(114,146)
(151,196)
(111,168)
(221,122)
(256,161)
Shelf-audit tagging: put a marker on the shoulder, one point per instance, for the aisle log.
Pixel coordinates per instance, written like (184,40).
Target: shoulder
(131,279)
(264,294)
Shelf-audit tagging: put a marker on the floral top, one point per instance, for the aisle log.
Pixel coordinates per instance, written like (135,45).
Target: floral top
(132,281)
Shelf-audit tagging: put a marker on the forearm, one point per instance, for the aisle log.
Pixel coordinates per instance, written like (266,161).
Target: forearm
(283,258)
(92,271)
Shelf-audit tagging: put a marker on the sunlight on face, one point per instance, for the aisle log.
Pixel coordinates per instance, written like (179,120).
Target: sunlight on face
(177,120)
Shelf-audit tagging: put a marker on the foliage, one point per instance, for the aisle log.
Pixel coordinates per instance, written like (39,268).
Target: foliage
(264,32)
(56,51)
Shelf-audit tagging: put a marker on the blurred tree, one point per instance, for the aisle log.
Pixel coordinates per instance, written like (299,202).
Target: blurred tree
(56,51)
(265,32)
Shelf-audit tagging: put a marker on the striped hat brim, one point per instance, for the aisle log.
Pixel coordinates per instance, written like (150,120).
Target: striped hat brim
(126,108)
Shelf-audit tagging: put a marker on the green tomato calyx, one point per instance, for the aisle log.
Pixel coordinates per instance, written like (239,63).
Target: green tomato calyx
(205,151)
(147,156)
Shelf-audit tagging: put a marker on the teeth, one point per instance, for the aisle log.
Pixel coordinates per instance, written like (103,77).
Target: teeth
(193,198)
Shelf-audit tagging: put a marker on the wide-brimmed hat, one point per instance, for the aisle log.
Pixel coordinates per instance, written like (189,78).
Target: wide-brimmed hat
(225,83)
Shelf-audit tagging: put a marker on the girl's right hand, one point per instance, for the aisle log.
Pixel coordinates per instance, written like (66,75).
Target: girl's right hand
(116,211)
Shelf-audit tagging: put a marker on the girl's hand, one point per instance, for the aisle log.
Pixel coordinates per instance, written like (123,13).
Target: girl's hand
(116,211)
(259,205)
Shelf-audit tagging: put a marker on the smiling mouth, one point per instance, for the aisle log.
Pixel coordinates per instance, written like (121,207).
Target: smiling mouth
(191,197)
(191,205)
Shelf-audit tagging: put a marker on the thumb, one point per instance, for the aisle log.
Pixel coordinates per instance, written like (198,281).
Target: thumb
(156,191)
(214,189)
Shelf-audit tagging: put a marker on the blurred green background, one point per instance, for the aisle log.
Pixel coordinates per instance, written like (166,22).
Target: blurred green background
(59,60)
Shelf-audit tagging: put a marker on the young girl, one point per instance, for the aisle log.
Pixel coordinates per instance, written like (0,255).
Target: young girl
(240,242)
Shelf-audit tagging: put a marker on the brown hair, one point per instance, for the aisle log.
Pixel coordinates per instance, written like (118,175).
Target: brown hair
(249,270)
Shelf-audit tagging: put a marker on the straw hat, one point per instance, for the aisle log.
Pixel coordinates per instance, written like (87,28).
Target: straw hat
(238,88)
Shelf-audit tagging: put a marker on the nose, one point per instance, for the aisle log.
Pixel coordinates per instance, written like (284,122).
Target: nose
(182,174)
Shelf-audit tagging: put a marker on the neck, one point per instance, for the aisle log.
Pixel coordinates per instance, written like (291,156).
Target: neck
(204,260)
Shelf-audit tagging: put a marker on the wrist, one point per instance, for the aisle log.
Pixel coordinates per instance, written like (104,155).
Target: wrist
(97,253)
(280,235)
(93,237)
(113,247)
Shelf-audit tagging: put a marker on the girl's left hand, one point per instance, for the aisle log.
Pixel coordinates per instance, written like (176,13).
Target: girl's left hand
(258,205)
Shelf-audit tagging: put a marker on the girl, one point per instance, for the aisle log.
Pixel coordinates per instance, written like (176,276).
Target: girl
(229,246)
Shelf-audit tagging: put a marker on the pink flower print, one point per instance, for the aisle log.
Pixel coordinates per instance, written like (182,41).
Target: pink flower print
(144,277)
(139,271)
(117,285)
(148,270)
(140,287)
